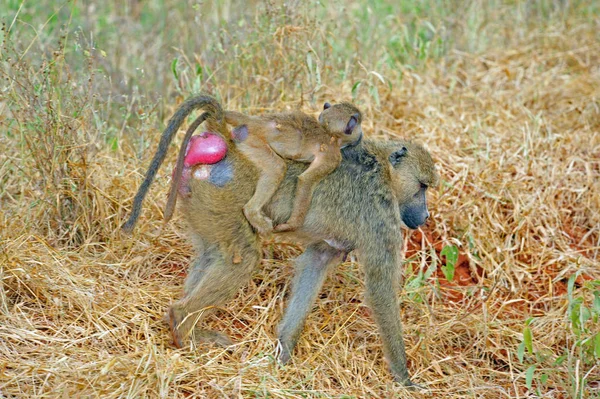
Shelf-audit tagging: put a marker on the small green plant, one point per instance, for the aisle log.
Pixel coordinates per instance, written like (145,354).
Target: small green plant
(583,314)
(415,282)
(451,254)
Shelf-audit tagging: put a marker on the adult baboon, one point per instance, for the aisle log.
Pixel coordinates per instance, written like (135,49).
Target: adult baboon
(362,205)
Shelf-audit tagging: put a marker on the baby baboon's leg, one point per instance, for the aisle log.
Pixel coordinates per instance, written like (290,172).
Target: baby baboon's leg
(271,173)
(311,270)
(323,164)
(213,280)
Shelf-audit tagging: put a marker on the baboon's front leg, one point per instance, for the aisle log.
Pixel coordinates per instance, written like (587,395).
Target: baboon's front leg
(382,272)
(311,270)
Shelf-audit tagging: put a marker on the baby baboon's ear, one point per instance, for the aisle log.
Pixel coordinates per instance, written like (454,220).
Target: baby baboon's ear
(326,105)
(396,156)
(351,124)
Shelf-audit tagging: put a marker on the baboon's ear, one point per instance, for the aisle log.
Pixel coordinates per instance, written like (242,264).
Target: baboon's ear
(351,124)
(396,156)
(326,105)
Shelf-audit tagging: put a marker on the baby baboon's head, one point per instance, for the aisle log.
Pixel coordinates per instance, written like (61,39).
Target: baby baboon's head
(342,121)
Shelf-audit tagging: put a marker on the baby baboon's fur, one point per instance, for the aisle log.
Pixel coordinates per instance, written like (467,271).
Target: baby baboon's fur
(270,139)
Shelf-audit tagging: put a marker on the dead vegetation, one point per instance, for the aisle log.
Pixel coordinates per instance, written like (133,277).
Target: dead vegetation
(509,108)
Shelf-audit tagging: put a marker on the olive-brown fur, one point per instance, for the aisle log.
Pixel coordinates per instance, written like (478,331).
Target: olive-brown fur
(358,206)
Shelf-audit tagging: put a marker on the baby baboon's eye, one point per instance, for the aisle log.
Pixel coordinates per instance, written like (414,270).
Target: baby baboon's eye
(351,125)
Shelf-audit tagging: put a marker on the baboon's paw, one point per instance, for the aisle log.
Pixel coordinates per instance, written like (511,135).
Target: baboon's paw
(285,227)
(173,323)
(283,354)
(409,385)
(262,224)
(211,337)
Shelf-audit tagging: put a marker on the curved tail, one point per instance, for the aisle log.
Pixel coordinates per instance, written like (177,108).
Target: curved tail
(176,181)
(203,101)
(234,118)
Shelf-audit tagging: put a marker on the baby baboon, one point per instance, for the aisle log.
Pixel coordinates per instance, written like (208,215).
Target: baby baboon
(269,139)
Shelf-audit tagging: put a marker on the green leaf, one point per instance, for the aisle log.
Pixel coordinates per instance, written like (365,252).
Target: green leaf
(521,351)
(596,303)
(448,272)
(355,89)
(451,254)
(375,94)
(174,68)
(575,316)
(571,285)
(528,339)
(543,378)
(597,346)
(113,143)
(559,360)
(529,376)
(584,315)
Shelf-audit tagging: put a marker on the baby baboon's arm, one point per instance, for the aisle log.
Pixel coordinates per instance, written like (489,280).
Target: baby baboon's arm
(324,163)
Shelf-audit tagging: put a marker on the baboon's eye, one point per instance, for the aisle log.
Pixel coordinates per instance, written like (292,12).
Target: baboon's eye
(424,186)
(326,105)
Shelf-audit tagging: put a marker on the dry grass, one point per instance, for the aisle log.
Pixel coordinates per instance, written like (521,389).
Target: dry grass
(506,98)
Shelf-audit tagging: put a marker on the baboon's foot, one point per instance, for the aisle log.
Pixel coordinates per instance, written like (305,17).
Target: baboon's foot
(408,384)
(287,227)
(283,353)
(173,317)
(211,337)
(262,224)
(293,223)
(173,320)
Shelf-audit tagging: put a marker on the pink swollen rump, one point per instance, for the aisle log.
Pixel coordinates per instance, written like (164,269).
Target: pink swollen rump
(206,148)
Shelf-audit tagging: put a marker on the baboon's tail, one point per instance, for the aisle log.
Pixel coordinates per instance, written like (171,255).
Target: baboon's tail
(203,101)
(236,118)
(176,181)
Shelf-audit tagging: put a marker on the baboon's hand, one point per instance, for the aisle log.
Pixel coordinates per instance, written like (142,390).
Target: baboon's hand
(284,227)
(261,223)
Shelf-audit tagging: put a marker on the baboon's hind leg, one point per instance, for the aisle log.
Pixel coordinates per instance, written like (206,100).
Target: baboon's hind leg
(312,267)
(213,280)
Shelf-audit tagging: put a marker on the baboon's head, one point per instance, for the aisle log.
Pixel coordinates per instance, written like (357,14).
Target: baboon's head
(343,121)
(412,172)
